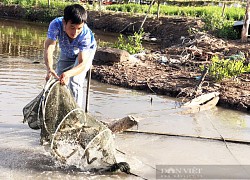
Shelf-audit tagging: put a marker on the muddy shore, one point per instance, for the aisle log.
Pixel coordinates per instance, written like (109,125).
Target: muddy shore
(173,68)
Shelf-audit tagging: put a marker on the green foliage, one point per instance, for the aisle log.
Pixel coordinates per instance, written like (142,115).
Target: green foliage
(227,68)
(27,3)
(230,13)
(212,15)
(38,3)
(220,26)
(8,2)
(133,44)
(227,31)
(42,15)
(88,6)
(104,43)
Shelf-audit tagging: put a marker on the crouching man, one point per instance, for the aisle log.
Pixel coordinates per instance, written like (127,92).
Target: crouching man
(77,49)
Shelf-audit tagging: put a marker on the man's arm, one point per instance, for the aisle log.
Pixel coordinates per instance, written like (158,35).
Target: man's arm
(49,47)
(82,63)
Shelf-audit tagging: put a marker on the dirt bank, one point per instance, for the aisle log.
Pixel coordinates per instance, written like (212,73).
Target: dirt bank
(173,69)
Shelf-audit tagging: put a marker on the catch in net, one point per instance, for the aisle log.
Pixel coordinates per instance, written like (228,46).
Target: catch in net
(75,137)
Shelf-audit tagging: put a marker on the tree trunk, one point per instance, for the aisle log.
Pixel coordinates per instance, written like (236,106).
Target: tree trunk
(100,7)
(146,15)
(158,9)
(244,32)
(223,9)
(48,3)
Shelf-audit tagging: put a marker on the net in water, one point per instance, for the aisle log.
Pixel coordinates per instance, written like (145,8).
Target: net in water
(75,137)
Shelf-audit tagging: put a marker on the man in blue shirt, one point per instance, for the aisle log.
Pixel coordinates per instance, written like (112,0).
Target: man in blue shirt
(77,49)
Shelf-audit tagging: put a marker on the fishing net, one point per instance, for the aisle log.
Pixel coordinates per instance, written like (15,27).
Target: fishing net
(75,137)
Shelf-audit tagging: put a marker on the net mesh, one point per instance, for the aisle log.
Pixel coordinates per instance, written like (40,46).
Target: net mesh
(75,137)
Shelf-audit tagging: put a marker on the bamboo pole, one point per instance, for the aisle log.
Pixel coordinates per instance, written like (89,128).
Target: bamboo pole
(87,91)
(204,73)
(229,140)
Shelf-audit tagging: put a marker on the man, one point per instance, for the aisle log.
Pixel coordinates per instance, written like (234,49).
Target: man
(77,49)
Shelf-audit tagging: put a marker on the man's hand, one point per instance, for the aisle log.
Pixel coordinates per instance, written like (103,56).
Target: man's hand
(64,78)
(51,73)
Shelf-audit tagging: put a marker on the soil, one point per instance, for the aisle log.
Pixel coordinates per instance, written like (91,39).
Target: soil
(172,68)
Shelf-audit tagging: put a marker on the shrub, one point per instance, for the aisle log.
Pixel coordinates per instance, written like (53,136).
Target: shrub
(227,68)
(222,27)
(133,44)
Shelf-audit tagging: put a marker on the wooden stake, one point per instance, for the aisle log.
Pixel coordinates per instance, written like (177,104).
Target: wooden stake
(204,73)
(87,91)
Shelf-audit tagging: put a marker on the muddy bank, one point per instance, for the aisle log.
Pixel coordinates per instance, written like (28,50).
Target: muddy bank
(174,68)
(173,79)
(171,70)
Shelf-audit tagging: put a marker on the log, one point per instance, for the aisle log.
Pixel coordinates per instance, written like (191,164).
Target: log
(123,124)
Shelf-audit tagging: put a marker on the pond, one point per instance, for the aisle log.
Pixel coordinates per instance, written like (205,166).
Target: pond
(167,137)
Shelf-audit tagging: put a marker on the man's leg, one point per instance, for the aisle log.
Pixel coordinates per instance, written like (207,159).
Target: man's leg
(76,83)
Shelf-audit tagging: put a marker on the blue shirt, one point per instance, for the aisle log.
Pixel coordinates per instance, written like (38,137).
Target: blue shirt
(85,40)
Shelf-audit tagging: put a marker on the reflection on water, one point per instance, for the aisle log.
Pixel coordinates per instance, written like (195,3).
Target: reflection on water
(23,158)
(25,39)
(20,39)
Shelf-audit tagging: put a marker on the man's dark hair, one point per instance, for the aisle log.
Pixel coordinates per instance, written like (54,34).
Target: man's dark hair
(76,13)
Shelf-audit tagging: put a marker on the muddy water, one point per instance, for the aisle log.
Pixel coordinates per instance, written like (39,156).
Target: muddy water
(21,156)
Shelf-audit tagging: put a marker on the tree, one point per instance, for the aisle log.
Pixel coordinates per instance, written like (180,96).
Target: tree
(244,32)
